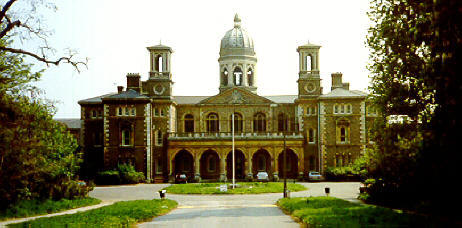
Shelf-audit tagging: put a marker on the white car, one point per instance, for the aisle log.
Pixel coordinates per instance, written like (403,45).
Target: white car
(314,176)
(262,176)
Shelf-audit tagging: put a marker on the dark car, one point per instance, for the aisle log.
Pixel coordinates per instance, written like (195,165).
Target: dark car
(181,178)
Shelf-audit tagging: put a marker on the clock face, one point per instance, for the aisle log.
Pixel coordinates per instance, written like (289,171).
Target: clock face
(159,89)
(310,87)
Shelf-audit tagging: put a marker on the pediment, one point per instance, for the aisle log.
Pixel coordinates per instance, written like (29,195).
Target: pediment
(236,96)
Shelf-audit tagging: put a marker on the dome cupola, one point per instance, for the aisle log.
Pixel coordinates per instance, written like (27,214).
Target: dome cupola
(237,59)
(237,39)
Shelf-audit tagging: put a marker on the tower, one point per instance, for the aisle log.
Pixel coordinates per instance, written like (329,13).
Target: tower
(309,82)
(237,59)
(160,81)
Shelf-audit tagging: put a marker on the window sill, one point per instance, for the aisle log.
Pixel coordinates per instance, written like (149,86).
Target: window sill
(126,146)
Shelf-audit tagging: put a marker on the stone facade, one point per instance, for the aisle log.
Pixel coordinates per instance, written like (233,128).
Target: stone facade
(162,135)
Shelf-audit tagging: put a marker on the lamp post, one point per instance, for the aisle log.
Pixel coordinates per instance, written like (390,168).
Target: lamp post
(232,117)
(284,157)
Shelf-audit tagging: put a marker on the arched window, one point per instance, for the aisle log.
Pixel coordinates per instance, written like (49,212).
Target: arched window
(282,122)
(120,111)
(336,109)
(250,76)
(348,108)
(237,76)
(158,64)
(126,137)
(237,122)
(308,63)
(343,131)
(259,122)
(224,77)
(188,123)
(212,123)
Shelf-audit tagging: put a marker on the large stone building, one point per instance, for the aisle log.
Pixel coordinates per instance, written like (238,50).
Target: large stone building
(161,134)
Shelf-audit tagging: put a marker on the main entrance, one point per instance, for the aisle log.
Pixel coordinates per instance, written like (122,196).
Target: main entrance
(239,165)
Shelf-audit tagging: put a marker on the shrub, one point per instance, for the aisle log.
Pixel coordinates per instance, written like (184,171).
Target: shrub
(346,173)
(108,177)
(124,174)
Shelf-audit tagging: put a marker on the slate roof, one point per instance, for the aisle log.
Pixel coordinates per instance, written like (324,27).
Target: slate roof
(343,93)
(71,123)
(128,94)
(95,100)
(282,98)
(189,99)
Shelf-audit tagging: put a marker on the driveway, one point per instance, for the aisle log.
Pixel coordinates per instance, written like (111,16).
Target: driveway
(256,210)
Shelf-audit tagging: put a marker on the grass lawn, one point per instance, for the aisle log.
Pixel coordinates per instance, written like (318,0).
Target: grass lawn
(243,188)
(334,212)
(27,208)
(120,214)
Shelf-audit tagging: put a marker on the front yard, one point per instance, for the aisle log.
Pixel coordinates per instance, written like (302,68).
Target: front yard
(334,212)
(120,214)
(241,188)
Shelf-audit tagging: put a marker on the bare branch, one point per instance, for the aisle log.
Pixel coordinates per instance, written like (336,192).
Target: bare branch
(9,27)
(5,8)
(66,59)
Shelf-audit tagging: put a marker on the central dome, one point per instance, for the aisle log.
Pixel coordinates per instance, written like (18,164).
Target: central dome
(237,41)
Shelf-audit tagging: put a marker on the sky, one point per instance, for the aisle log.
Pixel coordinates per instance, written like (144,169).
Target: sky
(114,35)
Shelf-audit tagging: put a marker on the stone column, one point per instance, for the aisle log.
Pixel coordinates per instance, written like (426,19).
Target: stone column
(249,174)
(276,166)
(197,172)
(222,167)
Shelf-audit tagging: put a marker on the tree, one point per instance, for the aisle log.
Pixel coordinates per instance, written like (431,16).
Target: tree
(38,157)
(415,49)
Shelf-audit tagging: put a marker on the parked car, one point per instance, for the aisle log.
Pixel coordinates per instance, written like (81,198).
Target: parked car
(181,178)
(314,176)
(262,176)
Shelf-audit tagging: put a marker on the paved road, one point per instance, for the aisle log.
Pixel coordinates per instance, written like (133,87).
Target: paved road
(223,210)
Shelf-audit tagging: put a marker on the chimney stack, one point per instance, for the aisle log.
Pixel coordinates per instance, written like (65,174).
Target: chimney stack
(336,80)
(120,89)
(133,82)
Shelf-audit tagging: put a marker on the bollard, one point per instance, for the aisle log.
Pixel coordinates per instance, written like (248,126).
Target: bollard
(162,193)
(327,190)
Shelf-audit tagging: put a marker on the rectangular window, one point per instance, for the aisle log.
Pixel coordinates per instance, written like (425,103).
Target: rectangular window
(158,165)
(159,138)
(342,134)
(311,135)
(133,111)
(335,108)
(342,108)
(120,111)
(156,112)
(126,137)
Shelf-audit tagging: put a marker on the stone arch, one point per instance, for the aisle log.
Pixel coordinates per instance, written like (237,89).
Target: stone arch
(261,162)
(238,76)
(250,74)
(183,162)
(240,160)
(224,76)
(210,164)
(292,162)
